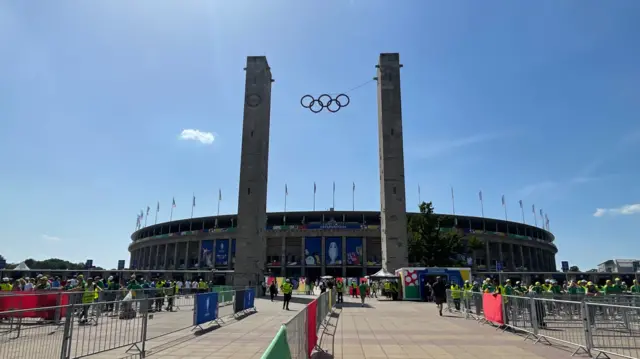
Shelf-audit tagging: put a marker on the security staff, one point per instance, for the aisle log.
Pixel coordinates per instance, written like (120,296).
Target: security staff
(5,286)
(455,294)
(287,290)
(339,290)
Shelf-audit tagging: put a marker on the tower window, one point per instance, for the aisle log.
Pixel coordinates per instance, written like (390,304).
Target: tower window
(251,133)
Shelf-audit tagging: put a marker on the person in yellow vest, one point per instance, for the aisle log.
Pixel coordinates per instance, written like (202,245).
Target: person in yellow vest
(6,286)
(467,287)
(89,291)
(339,290)
(455,294)
(287,291)
(159,294)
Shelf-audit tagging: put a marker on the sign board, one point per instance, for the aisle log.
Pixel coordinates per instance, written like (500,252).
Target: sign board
(565,266)
(121,264)
(498,266)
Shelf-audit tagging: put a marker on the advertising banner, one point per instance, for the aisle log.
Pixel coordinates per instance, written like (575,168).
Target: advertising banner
(222,252)
(206,254)
(121,264)
(333,251)
(354,251)
(312,330)
(233,251)
(238,306)
(249,298)
(492,306)
(206,308)
(312,250)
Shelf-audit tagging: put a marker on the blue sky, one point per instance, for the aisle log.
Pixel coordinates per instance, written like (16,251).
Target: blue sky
(536,101)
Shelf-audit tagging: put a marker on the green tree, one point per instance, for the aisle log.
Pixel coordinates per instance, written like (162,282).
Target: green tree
(574,269)
(428,245)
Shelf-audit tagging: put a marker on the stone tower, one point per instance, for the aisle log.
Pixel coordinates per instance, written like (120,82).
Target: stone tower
(254,164)
(393,210)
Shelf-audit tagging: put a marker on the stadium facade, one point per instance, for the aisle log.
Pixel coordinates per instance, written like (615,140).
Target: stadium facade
(337,243)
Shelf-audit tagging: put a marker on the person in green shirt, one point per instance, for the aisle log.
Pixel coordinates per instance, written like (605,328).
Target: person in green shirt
(635,288)
(363,287)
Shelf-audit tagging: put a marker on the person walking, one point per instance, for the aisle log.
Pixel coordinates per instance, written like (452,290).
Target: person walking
(363,287)
(287,290)
(339,289)
(439,293)
(273,290)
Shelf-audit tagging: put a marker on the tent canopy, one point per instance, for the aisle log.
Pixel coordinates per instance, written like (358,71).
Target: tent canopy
(383,274)
(22,267)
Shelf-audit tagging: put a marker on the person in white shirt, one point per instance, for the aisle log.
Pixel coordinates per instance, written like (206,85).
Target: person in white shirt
(28,286)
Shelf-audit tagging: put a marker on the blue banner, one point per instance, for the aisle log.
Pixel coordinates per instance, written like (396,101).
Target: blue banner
(206,254)
(354,251)
(334,225)
(206,308)
(333,251)
(222,252)
(312,250)
(233,251)
(249,298)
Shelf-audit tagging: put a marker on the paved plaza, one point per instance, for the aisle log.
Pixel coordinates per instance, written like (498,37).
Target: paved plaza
(414,330)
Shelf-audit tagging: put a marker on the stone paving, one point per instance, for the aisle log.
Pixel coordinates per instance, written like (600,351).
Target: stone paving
(414,330)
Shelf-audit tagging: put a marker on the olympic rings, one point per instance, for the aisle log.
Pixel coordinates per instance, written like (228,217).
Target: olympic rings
(325,101)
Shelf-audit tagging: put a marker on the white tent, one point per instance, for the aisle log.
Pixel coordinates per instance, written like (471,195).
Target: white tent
(21,267)
(383,274)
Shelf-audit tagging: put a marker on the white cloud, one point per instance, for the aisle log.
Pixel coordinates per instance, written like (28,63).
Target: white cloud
(625,210)
(206,138)
(49,238)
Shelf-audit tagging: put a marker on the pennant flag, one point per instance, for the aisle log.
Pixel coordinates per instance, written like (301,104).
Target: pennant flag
(354,186)
(541,212)
(334,186)
(480,195)
(314,187)
(173,203)
(533,208)
(148,209)
(503,203)
(520,204)
(219,194)
(279,347)
(158,207)
(286,190)
(194,201)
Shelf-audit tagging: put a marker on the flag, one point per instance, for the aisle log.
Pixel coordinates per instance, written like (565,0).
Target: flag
(194,201)
(451,193)
(520,204)
(354,186)
(173,203)
(541,212)
(533,208)
(418,190)
(334,186)
(219,194)
(503,202)
(158,207)
(314,188)
(279,347)
(148,209)
(480,195)
(286,190)
(141,215)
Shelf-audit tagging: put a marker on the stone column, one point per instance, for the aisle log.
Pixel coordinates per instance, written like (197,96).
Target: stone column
(513,257)
(304,263)
(283,256)
(323,267)
(365,255)
(186,256)
(487,245)
(344,257)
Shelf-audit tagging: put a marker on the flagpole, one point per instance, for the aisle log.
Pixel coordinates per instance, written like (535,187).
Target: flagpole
(522,210)
(453,202)
(157,210)
(419,196)
(219,199)
(173,204)
(286,193)
(353,197)
(314,196)
(193,205)
(146,217)
(535,216)
(333,205)
(542,218)
(481,203)
(504,204)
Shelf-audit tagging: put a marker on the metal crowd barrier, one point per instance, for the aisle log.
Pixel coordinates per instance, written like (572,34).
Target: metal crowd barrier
(298,327)
(80,330)
(591,325)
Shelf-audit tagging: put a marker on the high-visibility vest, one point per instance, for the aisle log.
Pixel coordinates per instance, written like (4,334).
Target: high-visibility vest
(455,291)
(287,288)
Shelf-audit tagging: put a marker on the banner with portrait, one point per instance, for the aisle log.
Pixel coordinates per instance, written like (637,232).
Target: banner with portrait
(333,251)
(206,254)
(354,251)
(312,250)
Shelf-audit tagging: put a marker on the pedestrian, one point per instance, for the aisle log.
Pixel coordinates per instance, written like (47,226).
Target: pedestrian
(287,290)
(363,287)
(273,290)
(439,293)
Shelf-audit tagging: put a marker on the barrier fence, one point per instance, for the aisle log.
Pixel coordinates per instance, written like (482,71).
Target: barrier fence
(603,326)
(77,330)
(298,337)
